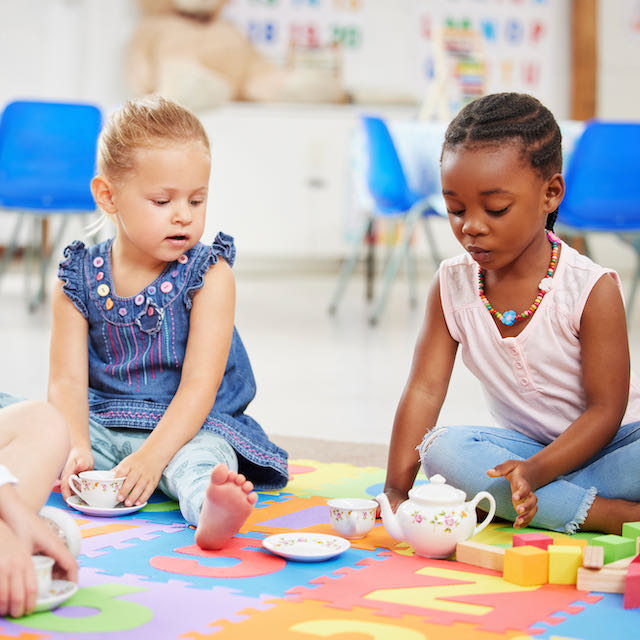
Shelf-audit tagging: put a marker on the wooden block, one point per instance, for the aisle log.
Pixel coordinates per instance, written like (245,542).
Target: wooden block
(631,530)
(526,566)
(615,547)
(573,541)
(620,564)
(604,580)
(532,539)
(593,557)
(564,561)
(632,587)
(480,555)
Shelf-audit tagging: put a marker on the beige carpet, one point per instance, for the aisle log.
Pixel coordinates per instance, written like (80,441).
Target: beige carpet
(358,454)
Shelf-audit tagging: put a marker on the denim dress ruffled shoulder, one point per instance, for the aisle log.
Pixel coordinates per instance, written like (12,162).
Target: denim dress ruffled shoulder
(137,346)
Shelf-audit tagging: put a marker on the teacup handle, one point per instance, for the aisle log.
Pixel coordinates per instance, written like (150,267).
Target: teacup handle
(73,478)
(492,510)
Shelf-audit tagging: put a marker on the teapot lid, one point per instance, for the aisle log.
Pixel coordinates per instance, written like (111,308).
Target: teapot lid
(437,492)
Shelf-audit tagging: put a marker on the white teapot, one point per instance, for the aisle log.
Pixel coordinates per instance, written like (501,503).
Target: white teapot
(435,517)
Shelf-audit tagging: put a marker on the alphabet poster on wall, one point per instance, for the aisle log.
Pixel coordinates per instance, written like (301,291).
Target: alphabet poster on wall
(401,50)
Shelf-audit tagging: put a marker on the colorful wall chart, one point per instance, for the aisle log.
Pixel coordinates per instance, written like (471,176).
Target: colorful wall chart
(393,49)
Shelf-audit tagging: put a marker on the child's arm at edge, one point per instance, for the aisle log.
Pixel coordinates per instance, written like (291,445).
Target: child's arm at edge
(210,333)
(422,398)
(606,373)
(69,380)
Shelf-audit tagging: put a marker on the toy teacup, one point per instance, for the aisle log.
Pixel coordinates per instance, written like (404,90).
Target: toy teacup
(352,517)
(97,488)
(43,566)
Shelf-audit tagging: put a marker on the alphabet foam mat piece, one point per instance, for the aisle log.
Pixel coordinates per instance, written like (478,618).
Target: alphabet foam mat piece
(142,576)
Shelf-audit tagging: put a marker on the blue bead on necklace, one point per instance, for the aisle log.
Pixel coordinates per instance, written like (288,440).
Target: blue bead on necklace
(511,317)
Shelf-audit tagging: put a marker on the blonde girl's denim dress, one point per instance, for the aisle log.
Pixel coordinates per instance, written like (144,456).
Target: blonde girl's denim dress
(137,346)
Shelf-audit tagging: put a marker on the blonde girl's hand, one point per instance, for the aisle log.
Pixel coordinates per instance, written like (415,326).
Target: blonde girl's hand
(523,497)
(142,472)
(79,459)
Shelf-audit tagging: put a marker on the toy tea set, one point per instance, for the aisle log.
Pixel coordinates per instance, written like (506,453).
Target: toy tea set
(434,519)
(96,494)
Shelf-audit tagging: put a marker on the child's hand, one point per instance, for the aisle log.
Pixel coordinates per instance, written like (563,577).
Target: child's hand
(524,499)
(142,473)
(80,459)
(396,498)
(22,533)
(18,585)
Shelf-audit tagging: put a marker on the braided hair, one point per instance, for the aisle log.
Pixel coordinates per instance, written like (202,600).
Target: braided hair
(514,117)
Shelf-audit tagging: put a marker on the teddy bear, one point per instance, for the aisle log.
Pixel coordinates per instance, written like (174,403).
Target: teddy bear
(184,50)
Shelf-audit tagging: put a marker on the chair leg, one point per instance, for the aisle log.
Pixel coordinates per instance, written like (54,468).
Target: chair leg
(45,262)
(433,245)
(412,277)
(394,262)
(371,258)
(348,267)
(10,249)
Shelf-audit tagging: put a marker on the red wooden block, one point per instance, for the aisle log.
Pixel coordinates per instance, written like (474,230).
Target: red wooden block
(532,539)
(632,587)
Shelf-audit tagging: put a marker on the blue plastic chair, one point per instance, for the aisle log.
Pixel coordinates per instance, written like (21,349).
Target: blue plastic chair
(47,161)
(603,186)
(393,197)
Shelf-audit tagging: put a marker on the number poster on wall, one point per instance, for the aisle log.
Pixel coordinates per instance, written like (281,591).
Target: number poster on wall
(403,49)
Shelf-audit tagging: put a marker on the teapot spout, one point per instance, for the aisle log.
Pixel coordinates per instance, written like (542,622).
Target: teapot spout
(389,519)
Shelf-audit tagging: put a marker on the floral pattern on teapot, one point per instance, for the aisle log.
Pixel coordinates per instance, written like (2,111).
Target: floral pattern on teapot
(449,520)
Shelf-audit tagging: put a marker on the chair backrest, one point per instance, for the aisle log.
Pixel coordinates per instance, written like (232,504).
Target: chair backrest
(603,179)
(47,155)
(385,175)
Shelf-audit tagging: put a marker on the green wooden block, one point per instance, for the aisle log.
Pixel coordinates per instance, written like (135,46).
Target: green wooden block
(615,547)
(631,530)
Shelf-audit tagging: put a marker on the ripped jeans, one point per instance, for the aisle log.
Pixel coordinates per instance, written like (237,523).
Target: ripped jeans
(463,454)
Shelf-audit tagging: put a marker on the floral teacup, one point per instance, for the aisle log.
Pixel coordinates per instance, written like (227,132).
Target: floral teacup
(352,517)
(97,488)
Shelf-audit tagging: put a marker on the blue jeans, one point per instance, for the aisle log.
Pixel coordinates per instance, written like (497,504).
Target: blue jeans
(463,454)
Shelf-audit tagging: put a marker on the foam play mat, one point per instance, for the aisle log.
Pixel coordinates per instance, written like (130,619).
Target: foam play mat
(142,577)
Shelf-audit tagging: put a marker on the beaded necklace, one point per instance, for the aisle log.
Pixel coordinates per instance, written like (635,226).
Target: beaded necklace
(510,317)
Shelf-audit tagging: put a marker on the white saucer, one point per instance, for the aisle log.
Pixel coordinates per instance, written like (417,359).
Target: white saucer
(306,547)
(76,502)
(60,591)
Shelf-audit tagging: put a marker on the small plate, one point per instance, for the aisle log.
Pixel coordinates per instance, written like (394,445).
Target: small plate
(76,502)
(60,591)
(306,547)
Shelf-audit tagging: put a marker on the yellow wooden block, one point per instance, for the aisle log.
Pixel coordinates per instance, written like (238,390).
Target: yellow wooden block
(526,566)
(564,561)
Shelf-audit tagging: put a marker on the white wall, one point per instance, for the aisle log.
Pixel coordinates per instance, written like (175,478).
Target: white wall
(618,90)
(76,49)
(65,49)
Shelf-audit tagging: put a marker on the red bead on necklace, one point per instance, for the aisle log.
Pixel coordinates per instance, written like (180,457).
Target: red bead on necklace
(510,317)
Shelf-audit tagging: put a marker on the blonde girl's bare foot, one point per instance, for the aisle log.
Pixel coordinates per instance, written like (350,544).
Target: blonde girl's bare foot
(228,502)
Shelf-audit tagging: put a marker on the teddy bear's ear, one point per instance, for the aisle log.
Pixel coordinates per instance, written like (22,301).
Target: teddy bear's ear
(155,7)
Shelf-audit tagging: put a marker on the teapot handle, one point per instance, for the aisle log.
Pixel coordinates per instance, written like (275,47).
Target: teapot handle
(492,509)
